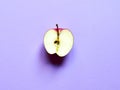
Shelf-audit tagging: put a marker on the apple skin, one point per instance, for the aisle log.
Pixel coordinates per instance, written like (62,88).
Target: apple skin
(58,29)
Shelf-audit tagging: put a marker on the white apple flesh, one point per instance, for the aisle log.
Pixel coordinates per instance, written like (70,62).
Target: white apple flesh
(58,41)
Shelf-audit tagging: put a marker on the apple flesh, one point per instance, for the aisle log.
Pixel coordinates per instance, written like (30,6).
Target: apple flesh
(58,41)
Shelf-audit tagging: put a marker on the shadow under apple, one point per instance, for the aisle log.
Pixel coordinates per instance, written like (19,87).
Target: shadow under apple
(52,59)
(55,60)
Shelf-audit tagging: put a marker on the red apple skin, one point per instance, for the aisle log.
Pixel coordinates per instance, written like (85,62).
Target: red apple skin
(58,29)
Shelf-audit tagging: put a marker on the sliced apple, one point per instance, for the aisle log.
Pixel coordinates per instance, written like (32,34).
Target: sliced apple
(59,41)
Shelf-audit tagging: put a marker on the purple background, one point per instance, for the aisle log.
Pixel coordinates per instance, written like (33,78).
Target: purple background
(93,63)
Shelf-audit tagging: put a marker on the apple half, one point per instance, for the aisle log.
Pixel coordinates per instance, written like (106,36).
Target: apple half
(58,41)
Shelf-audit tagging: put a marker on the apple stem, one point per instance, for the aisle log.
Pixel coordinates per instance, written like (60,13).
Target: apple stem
(57,26)
(57,29)
(57,32)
